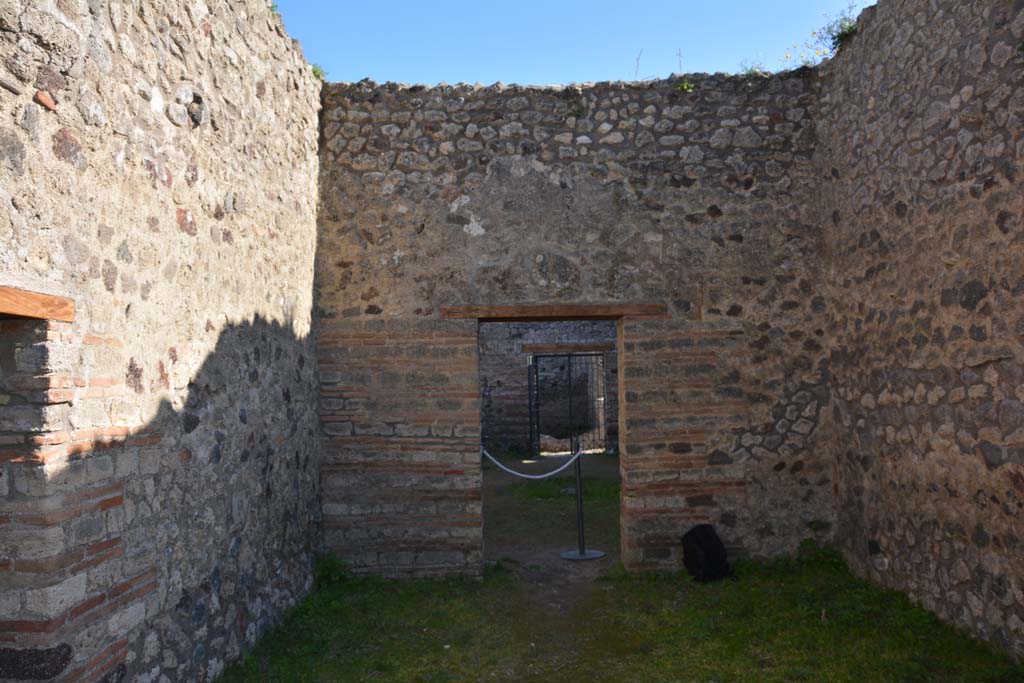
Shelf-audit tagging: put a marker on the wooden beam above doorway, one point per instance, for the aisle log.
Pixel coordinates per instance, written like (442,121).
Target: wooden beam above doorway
(22,303)
(553,312)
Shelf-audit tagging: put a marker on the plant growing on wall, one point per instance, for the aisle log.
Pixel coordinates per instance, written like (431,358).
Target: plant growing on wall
(827,41)
(750,68)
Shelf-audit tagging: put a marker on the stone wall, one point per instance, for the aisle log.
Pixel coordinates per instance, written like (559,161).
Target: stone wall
(922,139)
(504,384)
(159,489)
(695,193)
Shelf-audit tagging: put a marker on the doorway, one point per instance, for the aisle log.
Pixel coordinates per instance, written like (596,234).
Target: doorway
(567,398)
(549,390)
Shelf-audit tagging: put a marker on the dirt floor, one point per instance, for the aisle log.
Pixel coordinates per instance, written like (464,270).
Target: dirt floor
(527,524)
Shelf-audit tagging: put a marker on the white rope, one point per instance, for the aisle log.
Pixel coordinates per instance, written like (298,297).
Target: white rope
(532,476)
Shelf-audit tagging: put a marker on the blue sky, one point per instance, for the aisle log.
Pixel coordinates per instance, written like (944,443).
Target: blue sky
(532,42)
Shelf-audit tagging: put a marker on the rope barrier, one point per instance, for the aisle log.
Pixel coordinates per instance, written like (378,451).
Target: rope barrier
(552,473)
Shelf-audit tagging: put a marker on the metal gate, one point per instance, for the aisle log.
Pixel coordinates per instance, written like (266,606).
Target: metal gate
(567,402)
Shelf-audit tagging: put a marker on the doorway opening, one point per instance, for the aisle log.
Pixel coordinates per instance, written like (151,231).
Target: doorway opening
(549,390)
(567,396)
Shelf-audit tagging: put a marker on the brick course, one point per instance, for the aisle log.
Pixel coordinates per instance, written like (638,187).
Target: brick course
(401,468)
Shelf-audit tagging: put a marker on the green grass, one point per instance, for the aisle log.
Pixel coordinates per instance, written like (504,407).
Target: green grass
(799,619)
(536,513)
(555,488)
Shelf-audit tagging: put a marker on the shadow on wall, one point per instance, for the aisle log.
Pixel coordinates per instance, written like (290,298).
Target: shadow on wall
(176,543)
(23,359)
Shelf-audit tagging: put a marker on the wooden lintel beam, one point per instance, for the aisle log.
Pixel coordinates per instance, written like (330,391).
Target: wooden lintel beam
(554,312)
(569,348)
(25,304)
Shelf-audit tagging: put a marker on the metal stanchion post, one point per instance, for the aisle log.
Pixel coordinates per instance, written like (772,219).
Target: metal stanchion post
(581,553)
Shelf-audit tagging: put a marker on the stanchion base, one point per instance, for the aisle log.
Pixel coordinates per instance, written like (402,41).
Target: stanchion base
(586,555)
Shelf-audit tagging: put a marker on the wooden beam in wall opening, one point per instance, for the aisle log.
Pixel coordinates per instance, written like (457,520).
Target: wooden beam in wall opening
(569,348)
(24,304)
(554,312)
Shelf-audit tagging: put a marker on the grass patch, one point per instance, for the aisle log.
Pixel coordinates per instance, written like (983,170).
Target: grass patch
(556,488)
(798,619)
(536,513)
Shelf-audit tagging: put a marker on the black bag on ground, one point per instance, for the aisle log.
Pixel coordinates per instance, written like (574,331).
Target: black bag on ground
(704,554)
